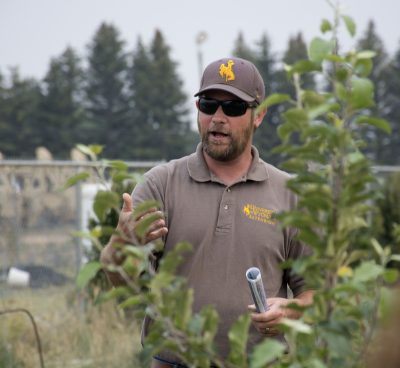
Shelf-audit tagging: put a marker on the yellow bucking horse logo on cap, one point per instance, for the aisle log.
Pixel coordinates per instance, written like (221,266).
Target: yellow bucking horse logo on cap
(226,71)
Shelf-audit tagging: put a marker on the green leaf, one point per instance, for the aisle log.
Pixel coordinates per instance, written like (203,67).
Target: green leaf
(76,179)
(395,257)
(304,66)
(136,252)
(87,273)
(183,309)
(350,25)
(294,119)
(381,124)
(366,54)
(377,247)
(342,74)
(325,26)
(96,148)
(132,301)
(316,363)
(103,202)
(296,325)
(171,260)
(119,165)
(341,91)
(312,98)
(391,275)
(145,207)
(356,255)
(319,49)
(266,352)
(320,110)
(84,149)
(92,150)
(362,93)
(335,58)
(274,99)
(367,271)
(363,67)
(338,343)
(238,335)
(120,176)
(120,292)
(210,316)
(160,281)
(143,226)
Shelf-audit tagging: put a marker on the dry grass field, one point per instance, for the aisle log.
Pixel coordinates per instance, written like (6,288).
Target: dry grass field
(72,333)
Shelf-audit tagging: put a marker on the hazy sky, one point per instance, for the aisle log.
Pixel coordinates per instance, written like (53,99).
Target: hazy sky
(33,31)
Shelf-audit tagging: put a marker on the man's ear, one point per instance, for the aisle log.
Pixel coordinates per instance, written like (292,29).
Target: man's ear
(259,116)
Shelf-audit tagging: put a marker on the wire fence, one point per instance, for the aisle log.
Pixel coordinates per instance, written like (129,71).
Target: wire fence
(38,218)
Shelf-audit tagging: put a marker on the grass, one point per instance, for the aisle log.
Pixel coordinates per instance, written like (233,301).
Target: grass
(73,333)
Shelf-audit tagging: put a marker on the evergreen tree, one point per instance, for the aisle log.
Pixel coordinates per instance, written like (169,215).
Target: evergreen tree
(3,117)
(62,117)
(296,51)
(19,135)
(160,103)
(276,81)
(379,143)
(139,140)
(391,109)
(266,137)
(108,102)
(242,50)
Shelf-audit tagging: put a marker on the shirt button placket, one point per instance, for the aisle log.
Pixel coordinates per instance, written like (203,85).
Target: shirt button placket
(225,217)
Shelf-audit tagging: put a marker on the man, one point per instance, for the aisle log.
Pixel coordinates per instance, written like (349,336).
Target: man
(221,200)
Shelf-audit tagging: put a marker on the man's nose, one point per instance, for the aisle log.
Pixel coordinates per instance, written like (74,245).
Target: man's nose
(219,116)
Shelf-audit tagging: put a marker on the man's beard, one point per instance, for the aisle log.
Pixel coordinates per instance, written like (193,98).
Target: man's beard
(234,149)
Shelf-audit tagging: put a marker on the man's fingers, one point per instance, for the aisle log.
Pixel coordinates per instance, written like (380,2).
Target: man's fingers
(156,234)
(127,205)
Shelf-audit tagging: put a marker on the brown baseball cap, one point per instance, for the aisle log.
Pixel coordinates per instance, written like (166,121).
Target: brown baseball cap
(235,75)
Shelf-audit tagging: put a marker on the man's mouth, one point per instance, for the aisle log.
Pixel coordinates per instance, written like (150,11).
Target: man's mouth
(217,134)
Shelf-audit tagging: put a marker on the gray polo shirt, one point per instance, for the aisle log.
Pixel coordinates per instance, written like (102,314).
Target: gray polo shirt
(230,229)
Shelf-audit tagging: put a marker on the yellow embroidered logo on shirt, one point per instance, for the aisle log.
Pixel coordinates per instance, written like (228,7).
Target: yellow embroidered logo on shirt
(259,214)
(226,71)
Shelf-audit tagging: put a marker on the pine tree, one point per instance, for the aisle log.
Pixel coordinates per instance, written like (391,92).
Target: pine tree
(242,50)
(391,109)
(3,117)
(19,133)
(61,108)
(266,137)
(140,145)
(379,143)
(160,103)
(108,102)
(296,51)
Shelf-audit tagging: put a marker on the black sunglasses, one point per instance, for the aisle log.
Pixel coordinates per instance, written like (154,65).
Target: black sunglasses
(230,107)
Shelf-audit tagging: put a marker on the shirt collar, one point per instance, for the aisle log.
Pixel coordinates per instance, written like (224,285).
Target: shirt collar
(198,169)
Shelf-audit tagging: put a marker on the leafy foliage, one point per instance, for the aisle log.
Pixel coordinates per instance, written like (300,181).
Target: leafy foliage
(334,181)
(336,189)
